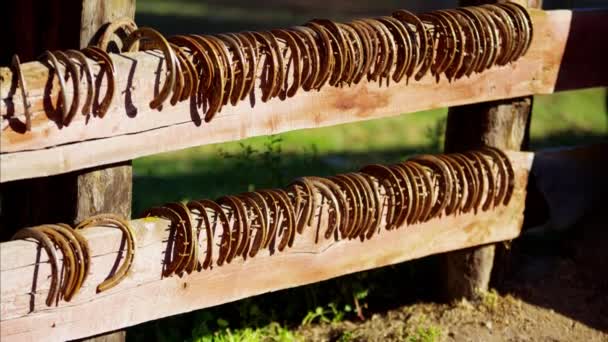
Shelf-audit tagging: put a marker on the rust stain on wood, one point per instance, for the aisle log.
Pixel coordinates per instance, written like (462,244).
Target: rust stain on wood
(362,100)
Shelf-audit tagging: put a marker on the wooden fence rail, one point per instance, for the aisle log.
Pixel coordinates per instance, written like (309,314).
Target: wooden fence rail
(144,295)
(131,129)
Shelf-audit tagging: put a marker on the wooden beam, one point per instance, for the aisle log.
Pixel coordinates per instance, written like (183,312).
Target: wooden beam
(144,295)
(132,130)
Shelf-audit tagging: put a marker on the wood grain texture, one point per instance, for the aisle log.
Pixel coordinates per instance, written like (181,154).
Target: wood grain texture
(132,130)
(145,296)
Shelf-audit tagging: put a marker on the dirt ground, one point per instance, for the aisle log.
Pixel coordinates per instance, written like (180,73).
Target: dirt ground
(555,289)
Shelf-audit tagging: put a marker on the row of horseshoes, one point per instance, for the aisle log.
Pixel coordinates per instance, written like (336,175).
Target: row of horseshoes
(76,254)
(214,70)
(357,204)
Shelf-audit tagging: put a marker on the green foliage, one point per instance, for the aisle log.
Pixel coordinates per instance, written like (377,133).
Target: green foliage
(212,329)
(490,299)
(425,334)
(330,314)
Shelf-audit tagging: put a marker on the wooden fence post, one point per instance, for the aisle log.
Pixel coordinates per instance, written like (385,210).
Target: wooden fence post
(51,25)
(504,124)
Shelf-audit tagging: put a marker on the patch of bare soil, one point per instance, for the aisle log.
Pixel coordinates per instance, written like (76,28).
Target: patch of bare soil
(554,290)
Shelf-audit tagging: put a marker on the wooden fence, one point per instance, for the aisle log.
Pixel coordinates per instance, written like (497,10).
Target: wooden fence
(131,130)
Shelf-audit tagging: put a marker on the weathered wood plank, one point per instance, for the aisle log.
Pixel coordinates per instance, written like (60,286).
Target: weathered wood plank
(132,130)
(144,296)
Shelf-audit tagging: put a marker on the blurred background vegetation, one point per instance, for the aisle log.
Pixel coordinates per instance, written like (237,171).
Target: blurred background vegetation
(567,118)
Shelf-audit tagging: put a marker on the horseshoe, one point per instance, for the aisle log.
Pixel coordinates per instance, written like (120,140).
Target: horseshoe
(294,61)
(505,30)
(505,172)
(459,39)
(371,198)
(192,262)
(266,218)
(327,63)
(270,74)
(491,33)
(49,56)
(61,242)
(486,170)
(188,71)
(475,43)
(75,76)
(404,177)
(388,178)
(288,210)
(362,203)
(125,227)
(201,59)
(425,41)
(368,50)
(46,243)
(210,233)
(308,212)
(416,208)
(377,209)
(224,247)
(225,58)
(215,93)
(424,184)
(273,224)
(251,66)
(104,59)
(239,74)
(126,24)
(521,28)
(461,181)
(342,202)
(525,15)
(85,252)
(403,46)
(469,44)
(352,204)
(16,64)
(276,205)
(308,39)
(338,47)
(77,258)
(440,40)
(325,191)
(157,41)
(478,180)
(470,180)
(180,82)
(240,232)
(88,72)
(261,223)
(386,56)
